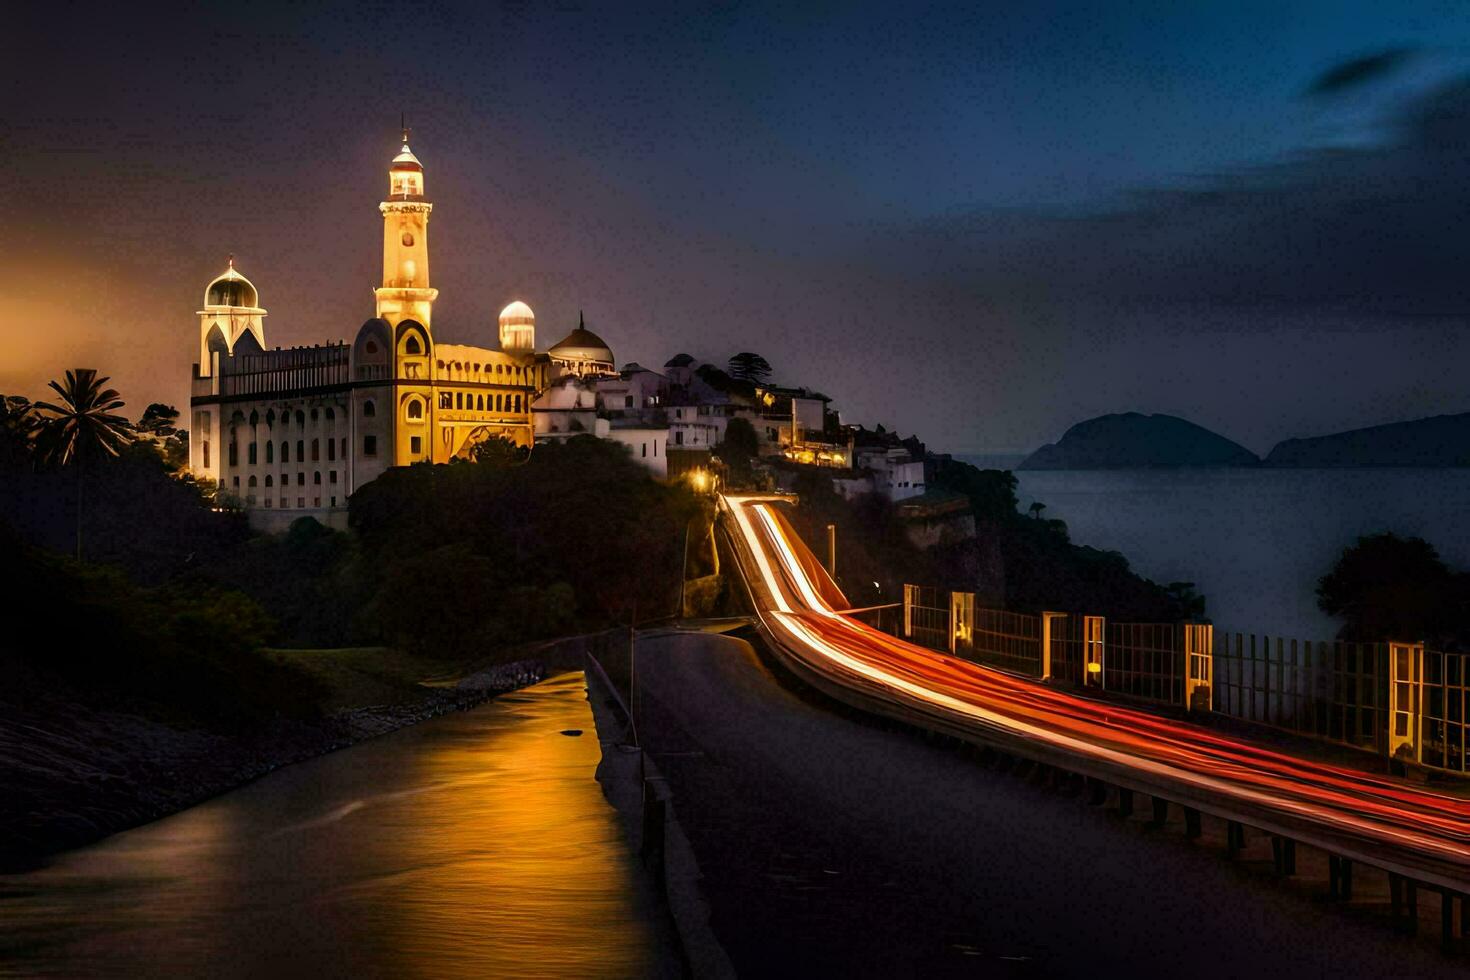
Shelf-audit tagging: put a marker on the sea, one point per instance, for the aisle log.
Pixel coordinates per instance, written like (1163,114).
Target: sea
(1254,541)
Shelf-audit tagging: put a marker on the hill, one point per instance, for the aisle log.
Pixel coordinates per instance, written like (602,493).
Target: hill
(1443,440)
(1136,441)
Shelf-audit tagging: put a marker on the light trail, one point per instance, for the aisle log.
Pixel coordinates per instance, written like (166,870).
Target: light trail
(1413,831)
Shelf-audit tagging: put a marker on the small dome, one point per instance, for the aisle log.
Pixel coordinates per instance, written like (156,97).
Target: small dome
(405,160)
(231,289)
(582,345)
(517,313)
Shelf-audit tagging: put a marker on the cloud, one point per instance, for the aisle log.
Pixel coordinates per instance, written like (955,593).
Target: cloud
(1372,229)
(1356,72)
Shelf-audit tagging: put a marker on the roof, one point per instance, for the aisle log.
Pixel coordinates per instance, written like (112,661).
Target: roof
(231,289)
(405,160)
(517,312)
(679,360)
(584,340)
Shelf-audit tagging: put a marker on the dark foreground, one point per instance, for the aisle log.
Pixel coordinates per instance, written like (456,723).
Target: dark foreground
(477,844)
(831,846)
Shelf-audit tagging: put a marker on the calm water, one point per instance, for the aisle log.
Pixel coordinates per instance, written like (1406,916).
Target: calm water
(1254,541)
(477,844)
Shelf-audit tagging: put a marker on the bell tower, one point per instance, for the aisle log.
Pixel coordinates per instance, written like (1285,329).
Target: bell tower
(405,293)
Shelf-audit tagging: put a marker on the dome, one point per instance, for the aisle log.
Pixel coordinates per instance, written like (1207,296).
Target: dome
(517,313)
(405,160)
(582,345)
(231,289)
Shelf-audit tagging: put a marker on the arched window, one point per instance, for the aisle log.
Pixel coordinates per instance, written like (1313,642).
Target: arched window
(331,415)
(269,480)
(285,452)
(518,403)
(250,454)
(500,403)
(369,409)
(254,417)
(331,449)
(270,453)
(313,415)
(480,403)
(300,418)
(413,346)
(415,409)
(316,450)
(253,481)
(300,450)
(459,399)
(316,477)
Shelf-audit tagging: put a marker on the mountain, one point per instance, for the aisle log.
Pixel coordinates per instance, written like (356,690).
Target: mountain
(1135,441)
(1443,440)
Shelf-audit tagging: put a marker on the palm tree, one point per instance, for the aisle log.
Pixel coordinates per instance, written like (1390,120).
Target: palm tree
(82,426)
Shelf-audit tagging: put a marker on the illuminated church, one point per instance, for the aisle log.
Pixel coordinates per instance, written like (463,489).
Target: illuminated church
(291,433)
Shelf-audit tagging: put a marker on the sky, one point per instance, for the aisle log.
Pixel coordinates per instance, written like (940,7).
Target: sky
(979,223)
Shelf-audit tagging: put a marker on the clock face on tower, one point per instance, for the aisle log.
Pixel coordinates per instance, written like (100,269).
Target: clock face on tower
(408,238)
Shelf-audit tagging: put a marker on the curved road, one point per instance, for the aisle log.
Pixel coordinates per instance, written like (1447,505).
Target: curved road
(1416,832)
(832,846)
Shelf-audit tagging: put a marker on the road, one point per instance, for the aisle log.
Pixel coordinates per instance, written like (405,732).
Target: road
(831,845)
(1413,831)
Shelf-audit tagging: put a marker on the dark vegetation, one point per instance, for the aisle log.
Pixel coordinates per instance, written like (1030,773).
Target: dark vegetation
(1014,561)
(175,605)
(1385,587)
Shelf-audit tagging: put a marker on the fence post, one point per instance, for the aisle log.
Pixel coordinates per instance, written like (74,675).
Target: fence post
(908,610)
(1199,666)
(1046,641)
(961,622)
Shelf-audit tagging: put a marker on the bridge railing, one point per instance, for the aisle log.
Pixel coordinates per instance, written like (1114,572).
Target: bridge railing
(1394,699)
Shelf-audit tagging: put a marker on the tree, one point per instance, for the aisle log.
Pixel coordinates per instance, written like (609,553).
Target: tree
(159,423)
(498,451)
(17,429)
(82,426)
(738,448)
(158,420)
(1389,588)
(1036,508)
(751,368)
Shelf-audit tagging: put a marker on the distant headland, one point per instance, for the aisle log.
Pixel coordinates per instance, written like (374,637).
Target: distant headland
(1132,440)
(1136,441)
(1440,441)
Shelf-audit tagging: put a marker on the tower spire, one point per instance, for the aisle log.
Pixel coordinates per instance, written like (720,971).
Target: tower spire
(403,125)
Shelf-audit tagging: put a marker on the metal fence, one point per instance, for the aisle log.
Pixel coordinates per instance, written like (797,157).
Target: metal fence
(926,616)
(1394,699)
(1145,660)
(1011,641)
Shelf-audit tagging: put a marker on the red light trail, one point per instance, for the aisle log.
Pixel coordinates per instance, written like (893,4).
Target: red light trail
(1416,832)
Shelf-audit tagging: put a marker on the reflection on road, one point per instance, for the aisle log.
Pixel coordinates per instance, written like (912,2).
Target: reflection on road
(477,844)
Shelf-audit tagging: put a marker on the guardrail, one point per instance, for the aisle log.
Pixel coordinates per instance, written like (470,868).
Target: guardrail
(1397,700)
